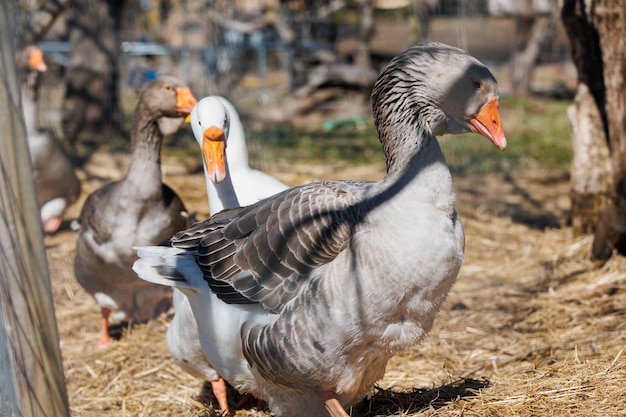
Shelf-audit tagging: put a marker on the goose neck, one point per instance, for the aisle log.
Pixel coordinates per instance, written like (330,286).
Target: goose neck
(29,107)
(403,141)
(145,151)
(221,196)
(236,150)
(416,167)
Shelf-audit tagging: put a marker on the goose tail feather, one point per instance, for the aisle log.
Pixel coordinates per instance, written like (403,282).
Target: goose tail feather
(167,266)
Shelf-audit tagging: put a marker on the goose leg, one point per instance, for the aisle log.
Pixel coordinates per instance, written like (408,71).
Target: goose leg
(219,390)
(53,224)
(104,332)
(333,406)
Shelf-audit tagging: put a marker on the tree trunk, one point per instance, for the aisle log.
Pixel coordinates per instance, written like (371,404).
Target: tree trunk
(91,103)
(362,57)
(531,33)
(610,18)
(590,174)
(533,27)
(37,18)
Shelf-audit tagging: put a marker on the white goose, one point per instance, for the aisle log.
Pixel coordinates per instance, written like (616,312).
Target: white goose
(56,182)
(230,182)
(302,298)
(138,209)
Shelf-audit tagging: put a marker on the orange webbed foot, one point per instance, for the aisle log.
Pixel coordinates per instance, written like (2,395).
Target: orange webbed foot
(105,339)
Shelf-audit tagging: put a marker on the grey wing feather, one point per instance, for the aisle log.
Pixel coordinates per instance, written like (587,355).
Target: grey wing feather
(261,253)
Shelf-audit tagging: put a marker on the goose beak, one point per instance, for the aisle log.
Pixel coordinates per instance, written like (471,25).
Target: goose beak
(214,153)
(185,101)
(36,62)
(487,123)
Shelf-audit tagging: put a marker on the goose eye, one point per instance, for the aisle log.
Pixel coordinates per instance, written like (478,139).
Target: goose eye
(477,84)
(168,87)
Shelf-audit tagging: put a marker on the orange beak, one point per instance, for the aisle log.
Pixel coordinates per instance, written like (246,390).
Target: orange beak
(36,61)
(185,101)
(214,153)
(487,123)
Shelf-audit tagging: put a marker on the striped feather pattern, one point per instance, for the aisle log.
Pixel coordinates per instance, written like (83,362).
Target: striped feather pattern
(260,253)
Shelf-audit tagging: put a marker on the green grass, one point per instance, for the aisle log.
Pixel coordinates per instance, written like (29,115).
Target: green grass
(537,131)
(536,128)
(345,145)
(538,136)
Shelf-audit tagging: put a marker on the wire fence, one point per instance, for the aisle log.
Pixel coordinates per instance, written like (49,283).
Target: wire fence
(31,374)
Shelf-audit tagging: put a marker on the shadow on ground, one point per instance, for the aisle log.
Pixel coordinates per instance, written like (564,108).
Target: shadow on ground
(390,402)
(384,402)
(538,200)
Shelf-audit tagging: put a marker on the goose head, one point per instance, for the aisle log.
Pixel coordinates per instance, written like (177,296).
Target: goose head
(168,96)
(210,123)
(30,64)
(440,88)
(30,58)
(35,59)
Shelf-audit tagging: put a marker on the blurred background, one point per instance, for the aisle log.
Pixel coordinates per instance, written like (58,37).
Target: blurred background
(291,67)
(300,72)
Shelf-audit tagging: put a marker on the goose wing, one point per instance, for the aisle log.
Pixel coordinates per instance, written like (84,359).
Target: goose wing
(263,253)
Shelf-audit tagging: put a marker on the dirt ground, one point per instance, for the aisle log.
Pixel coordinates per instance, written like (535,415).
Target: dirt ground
(531,327)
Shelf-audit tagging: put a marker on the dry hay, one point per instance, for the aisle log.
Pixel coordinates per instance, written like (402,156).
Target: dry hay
(530,328)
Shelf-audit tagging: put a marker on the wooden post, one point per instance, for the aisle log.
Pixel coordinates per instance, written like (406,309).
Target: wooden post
(31,375)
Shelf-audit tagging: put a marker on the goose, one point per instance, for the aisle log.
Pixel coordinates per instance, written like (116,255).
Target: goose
(244,185)
(230,182)
(302,298)
(56,183)
(138,209)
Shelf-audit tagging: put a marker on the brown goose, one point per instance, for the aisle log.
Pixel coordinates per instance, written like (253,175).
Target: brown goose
(137,210)
(302,298)
(56,182)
